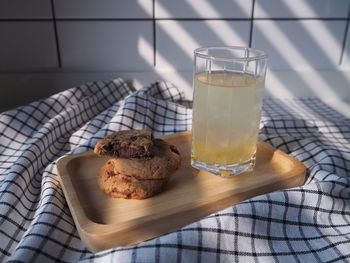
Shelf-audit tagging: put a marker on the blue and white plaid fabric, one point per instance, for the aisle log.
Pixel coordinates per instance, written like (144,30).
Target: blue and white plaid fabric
(304,224)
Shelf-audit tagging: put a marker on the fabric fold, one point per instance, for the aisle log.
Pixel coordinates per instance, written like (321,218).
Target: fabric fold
(310,223)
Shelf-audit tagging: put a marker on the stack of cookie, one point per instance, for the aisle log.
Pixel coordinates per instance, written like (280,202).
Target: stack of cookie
(139,166)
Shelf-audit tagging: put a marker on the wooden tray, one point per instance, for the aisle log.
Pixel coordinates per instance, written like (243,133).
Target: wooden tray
(190,195)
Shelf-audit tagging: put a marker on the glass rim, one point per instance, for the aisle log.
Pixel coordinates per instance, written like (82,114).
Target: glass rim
(260,53)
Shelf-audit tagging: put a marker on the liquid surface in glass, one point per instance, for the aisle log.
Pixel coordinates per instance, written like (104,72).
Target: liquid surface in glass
(226,117)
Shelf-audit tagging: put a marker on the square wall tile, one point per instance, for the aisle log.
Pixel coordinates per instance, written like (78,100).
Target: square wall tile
(176,40)
(203,9)
(301,8)
(27,46)
(103,9)
(10,9)
(106,45)
(302,44)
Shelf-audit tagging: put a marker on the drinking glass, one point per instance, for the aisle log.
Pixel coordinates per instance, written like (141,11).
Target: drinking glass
(227,98)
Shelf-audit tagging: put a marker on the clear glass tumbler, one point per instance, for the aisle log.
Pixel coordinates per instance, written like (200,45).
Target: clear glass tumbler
(227,98)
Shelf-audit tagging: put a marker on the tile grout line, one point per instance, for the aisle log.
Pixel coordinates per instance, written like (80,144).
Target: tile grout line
(56,35)
(251,24)
(344,39)
(175,19)
(154,33)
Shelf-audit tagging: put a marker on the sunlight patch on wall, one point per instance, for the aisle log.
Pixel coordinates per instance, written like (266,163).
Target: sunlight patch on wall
(181,37)
(317,83)
(296,6)
(220,27)
(281,43)
(146,7)
(168,72)
(145,50)
(322,31)
(272,81)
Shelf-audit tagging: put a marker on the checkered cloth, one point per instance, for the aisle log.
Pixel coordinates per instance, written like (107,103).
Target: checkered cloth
(303,224)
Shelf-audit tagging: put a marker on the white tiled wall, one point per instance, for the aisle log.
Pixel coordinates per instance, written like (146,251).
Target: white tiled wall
(300,44)
(105,45)
(20,9)
(27,46)
(176,50)
(140,35)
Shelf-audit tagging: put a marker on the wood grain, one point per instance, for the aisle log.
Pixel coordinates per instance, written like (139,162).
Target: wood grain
(104,222)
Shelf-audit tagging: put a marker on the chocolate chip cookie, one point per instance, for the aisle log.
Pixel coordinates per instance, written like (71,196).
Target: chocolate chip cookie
(128,187)
(139,165)
(126,144)
(165,161)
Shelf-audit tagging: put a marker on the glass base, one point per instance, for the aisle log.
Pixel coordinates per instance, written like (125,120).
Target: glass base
(224,171)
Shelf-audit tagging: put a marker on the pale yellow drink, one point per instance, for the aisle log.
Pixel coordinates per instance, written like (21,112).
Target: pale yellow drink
(226,117)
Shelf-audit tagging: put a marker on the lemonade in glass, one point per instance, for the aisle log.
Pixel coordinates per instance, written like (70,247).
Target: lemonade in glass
(227,98)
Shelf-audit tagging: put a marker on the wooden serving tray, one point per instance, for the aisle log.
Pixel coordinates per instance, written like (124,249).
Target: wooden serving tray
(104,222)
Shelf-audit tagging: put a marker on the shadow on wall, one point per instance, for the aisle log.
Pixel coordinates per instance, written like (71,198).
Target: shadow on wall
(176,39)
(284,39)
(172,47)
(321,53)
